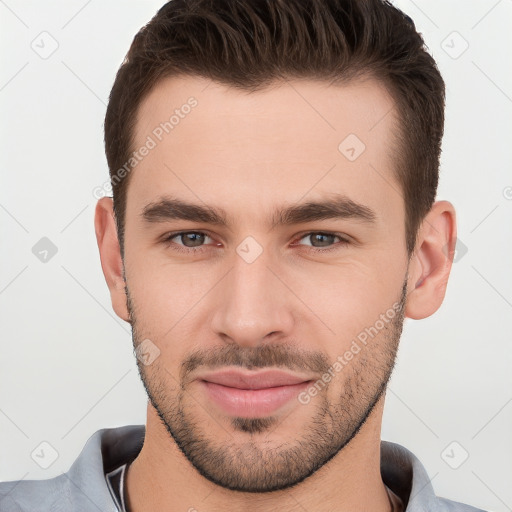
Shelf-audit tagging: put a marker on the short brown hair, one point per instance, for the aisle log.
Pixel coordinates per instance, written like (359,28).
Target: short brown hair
(249,44)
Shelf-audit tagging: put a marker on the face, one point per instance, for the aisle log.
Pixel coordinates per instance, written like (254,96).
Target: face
(261,241)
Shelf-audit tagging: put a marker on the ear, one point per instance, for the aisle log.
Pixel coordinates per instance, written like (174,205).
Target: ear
(431,261)
(110,255)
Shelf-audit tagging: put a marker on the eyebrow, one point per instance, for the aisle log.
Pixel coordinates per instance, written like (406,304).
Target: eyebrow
(335,206)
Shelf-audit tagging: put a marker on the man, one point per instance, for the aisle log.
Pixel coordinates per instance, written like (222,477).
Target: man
(274,168)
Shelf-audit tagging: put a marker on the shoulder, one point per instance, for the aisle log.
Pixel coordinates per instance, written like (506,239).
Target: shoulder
(29,495)
(83,487)
(406,476)
(445,505)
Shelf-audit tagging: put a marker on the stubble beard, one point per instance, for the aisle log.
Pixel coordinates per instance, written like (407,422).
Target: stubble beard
(250,460)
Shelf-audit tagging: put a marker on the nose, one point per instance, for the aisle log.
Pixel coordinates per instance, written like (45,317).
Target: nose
(252,303)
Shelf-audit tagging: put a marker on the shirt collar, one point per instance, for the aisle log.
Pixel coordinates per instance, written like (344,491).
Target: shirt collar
(109,448)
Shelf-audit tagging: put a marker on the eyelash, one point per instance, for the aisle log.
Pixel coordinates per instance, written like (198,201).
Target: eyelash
(187,250)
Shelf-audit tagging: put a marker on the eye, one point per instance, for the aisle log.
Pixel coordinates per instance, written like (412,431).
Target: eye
(197,241)
(187,241)
(323,242)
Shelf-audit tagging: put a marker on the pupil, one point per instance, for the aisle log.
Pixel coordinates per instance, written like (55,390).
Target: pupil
(193,237)
(318,238)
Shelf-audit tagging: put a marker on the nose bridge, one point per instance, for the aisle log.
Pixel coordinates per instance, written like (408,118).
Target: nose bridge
(251,302)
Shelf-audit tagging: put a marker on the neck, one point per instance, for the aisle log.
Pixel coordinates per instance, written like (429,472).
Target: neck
(161,478)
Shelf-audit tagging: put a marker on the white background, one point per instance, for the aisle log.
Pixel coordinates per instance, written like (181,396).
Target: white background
(66,362)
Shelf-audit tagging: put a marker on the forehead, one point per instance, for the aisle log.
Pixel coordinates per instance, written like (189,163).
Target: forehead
(327,110)
(223,145)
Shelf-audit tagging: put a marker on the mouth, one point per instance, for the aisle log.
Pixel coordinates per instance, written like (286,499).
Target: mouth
(254,394)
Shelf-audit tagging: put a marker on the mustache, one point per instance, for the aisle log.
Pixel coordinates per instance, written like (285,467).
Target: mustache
(261,356)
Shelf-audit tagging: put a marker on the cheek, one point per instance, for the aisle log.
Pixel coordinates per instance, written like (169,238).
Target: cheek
(169,301)
(352,295)
(164,285)
(175,306)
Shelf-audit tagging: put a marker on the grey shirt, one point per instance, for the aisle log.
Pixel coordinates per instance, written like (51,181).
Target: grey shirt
(84,488)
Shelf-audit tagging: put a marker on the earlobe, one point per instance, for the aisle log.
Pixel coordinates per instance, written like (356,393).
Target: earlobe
(110,255)
(431,261)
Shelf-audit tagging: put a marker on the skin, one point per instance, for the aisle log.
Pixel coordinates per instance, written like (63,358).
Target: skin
(252,154)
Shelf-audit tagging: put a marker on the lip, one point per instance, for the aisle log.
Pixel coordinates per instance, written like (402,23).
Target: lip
(252,395)
(254,380)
